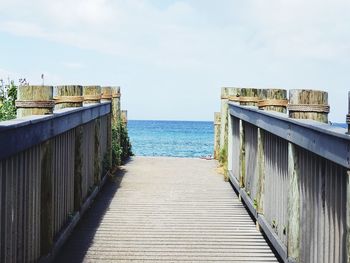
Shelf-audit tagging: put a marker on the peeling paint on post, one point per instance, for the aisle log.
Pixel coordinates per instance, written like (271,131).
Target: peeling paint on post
(217,124)
(293,243)
(46,216)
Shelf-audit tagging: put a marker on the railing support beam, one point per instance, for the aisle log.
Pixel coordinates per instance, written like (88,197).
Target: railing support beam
(293,242)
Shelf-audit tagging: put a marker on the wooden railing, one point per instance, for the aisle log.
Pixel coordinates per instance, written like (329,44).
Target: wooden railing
(51,167)
(293,176)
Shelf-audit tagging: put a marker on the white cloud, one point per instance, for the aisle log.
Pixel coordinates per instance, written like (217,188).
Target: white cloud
(255,42)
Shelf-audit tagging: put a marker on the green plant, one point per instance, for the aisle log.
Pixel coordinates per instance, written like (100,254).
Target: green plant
(121,146)
(106,163)
(223,155)
(8,97)
(255,203)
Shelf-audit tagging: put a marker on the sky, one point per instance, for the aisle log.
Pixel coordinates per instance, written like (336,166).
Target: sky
(171,57)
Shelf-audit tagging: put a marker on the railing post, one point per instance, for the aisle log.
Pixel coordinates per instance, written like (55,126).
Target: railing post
(115,105)
(68,96)
(124,117)
(242,155)
(107,96)
(78,168)
(293,243)
(92,94)
(249,97)
(308,104)
(226,94)
(46,207)
(261,173)
(34,100)
(217,135)
(273,100)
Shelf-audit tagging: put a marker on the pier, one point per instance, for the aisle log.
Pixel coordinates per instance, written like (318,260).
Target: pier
(284,195)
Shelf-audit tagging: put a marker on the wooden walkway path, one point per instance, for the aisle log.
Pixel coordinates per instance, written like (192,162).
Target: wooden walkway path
(167,210)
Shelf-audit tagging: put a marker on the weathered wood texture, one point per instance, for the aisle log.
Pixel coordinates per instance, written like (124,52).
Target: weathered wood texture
(217,124)
(92,94)
(293,205)
(43,187)
(226,93)
(314,105)
(189,214)
(115,105)
(124,117)
(303,205)
(249,96)
(273,100)
(106,94)
(34,100)
(20,181)
(68,96)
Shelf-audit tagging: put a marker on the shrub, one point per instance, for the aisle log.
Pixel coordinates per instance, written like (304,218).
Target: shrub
(8,97)
(121,146)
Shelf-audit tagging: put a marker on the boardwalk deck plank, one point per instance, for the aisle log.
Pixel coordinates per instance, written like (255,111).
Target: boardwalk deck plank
(167,210)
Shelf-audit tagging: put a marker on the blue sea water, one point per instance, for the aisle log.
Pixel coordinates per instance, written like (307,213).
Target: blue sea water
(171,138)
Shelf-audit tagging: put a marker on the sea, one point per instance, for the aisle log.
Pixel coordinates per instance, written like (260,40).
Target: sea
(171,138)
(174,138)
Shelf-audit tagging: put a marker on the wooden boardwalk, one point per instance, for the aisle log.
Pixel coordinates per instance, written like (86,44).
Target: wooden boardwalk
(167,210)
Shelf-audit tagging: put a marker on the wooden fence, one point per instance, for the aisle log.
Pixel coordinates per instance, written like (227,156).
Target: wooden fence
(51,167)
(293,176)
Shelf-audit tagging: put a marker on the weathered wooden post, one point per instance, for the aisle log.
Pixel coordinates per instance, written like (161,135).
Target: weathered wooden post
(46,202)
(226,94)
(273,100)
(34,100)
(217,123)
(78,168)
(124,117)
(115,105)
(293,243)
(92,94)
(308,104)
(249,97)
(107,96)
(303,104)
(67,96)
(269,100)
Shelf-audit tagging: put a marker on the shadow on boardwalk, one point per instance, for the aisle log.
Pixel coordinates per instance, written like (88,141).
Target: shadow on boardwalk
(92,219)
